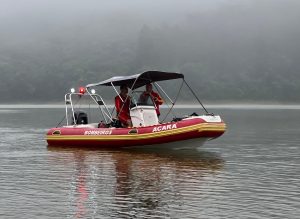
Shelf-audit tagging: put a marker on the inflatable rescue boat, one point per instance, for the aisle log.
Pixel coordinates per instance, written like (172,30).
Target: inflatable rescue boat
(147,130)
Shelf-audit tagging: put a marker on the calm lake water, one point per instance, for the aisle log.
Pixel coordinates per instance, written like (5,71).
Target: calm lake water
(253,171)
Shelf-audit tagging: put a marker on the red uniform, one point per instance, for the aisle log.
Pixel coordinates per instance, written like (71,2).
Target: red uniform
(156,99)
(123,115)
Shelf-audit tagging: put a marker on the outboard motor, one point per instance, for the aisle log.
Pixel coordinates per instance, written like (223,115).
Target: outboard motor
(80,118)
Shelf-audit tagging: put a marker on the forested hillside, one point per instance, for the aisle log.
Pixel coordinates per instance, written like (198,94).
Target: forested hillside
(235,51)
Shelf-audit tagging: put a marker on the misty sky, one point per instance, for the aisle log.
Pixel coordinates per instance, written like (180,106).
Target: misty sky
(30,19)
(238,46)
(148,11)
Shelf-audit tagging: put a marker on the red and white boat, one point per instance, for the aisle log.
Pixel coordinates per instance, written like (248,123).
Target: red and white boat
(147,130)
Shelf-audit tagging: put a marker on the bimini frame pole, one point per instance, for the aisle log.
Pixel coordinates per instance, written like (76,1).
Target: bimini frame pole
(104,104)
(127,95)
(156,84)
(173,103)
(68,101)
(117,94)
(158,88)
(66,106)
(72,107)
(116,90)
(195,96)
(104,114)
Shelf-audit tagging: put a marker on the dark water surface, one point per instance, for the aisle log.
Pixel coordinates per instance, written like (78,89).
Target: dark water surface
(253,171)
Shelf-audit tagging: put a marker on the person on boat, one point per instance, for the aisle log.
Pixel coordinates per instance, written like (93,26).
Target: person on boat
(122,102)
(157,100)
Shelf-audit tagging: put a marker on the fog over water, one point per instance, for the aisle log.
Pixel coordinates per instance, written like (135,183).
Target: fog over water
(252,171)
(229,50)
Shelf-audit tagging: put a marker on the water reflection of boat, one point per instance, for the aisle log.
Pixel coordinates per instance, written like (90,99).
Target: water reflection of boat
(125,182)
(188,157)
(190,130)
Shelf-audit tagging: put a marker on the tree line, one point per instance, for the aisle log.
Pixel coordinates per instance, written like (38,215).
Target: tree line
(238,52)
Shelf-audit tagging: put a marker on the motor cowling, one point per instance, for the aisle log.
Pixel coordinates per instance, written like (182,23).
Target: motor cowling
(80,117)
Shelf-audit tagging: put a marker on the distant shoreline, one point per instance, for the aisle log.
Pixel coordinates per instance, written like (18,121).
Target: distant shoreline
(243,106)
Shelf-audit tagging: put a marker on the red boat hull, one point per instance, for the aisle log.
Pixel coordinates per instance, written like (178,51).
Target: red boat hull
(85,136)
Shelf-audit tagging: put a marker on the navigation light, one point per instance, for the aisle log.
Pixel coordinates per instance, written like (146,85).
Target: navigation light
(82,90)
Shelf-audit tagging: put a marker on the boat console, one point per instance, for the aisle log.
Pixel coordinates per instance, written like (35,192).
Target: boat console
(142,111)
(142,116)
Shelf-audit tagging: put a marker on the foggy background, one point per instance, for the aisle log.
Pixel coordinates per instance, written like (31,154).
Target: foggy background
(229,50)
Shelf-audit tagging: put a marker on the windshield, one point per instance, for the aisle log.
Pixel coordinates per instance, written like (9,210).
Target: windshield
(139,99)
